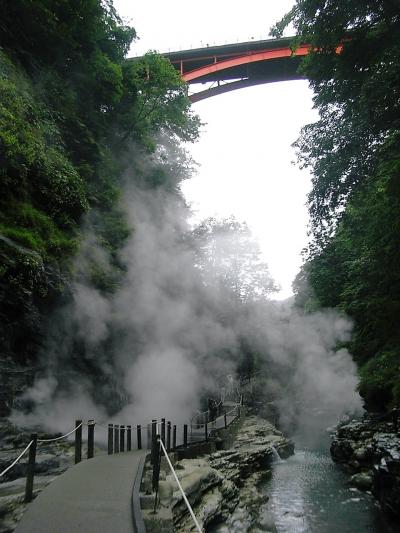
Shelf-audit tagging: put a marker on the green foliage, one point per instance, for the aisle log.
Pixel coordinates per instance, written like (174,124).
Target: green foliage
(71,108)
(380,383)
(356,92)
(35,230)
(155,99)
(354,153)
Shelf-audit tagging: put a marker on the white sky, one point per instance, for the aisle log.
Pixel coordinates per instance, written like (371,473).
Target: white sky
(245,152)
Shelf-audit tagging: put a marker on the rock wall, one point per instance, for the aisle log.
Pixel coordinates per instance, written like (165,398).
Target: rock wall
(370,450)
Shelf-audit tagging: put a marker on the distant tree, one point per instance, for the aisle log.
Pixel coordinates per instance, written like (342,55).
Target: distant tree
(230,259)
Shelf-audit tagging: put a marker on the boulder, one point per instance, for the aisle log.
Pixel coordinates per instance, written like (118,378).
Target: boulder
(362,480)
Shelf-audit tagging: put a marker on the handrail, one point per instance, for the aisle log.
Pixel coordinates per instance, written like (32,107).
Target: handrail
(17,459)
(200,413)
(180,487)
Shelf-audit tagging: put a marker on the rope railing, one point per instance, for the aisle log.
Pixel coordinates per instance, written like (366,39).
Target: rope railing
(189,507)
(62,436)
(32,447)
(17,459)
(120,437)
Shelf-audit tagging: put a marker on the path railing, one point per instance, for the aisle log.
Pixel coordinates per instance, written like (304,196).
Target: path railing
(154,436)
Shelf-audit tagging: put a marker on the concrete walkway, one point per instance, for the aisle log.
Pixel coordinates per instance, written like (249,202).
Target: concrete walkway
(94,496)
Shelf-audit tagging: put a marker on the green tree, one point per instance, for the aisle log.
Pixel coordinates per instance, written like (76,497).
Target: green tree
(357,94)
(71,109)
(353,151)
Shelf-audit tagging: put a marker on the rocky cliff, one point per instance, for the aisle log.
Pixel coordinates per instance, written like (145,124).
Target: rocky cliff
(370,450)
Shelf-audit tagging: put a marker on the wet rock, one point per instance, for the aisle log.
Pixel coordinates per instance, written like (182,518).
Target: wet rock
(362,481)
(224,487)
(370,450)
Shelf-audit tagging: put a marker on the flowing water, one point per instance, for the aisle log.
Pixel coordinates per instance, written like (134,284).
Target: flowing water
(310,494)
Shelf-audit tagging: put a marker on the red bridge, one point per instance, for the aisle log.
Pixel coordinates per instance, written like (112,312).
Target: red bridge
(234,66)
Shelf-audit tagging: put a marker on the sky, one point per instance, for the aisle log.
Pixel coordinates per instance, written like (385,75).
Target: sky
(246,162)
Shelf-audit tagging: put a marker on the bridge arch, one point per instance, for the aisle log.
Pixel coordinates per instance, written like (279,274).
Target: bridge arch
(234,66)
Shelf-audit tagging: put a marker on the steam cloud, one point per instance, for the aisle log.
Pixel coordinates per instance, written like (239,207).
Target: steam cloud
(166,334)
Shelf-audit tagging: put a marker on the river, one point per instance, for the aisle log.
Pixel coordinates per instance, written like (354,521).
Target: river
(308,493)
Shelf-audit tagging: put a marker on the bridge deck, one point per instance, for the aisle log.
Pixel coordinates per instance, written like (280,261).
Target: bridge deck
(93,496)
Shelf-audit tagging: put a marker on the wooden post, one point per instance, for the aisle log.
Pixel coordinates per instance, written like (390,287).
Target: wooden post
(90,446)
(30,471)
(122,438)
(206,431)
(185,435)
(238,411)
(78,441)
(139,437)
(168,436)
(225,420)
(116,438)
(153,441)
(395,419)
(174,438)
(163,430)
(156,464)
(128,438)
(110,439)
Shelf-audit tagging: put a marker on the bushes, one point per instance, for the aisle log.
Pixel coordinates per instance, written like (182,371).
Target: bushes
(380,380)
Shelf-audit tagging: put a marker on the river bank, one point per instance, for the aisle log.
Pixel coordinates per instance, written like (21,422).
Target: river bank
(223,487)
(369,450)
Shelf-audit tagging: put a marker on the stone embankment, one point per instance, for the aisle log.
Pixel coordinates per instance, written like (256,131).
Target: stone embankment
(370,450)
(222,486)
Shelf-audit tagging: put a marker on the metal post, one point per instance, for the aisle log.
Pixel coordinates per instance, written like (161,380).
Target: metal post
(225,420)
(168,436)
(139,437)
(122,439)
(153,441)
(78,441)
(206,431)
(116,438)
(128,438)
(174,438)
(110,439)
(90,446)
(185,435)
(163,430)
(30,472)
